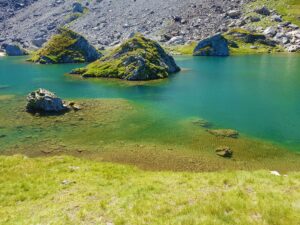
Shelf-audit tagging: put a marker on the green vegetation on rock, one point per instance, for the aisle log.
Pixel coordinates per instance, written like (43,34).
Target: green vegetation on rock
(138,58)
(289,9)
(66,47)
(242,41)
(68,190)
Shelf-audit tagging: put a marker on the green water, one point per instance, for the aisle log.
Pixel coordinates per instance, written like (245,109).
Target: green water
(257,95)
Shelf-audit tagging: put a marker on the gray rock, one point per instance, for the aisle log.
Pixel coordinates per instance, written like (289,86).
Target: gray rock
(14,50)
(44,101)
(179,40)
(77,8)
(276,18)
(234,14)
(263,11)
(293,48)
(38,42)
(270,31)
(254,19)
(285,40)
(216,45)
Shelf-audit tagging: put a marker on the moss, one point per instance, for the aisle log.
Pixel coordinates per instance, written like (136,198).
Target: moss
(61,48)
(137,55)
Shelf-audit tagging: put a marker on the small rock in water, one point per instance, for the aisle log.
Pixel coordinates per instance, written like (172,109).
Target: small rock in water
(224,151)
(45,101)
(224,133)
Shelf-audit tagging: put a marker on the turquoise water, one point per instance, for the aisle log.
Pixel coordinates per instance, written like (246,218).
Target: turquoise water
(258,95)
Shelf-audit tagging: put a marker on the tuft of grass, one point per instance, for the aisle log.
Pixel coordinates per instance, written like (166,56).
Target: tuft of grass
(68,190)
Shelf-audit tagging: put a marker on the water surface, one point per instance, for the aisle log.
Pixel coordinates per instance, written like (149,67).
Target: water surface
(258,95)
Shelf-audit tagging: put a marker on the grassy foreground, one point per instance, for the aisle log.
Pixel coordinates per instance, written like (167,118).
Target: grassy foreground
(68,190)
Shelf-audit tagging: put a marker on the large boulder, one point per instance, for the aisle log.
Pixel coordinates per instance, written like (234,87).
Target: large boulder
(138,58)
(216,45)
(14,50)
(44,101)
(66,47)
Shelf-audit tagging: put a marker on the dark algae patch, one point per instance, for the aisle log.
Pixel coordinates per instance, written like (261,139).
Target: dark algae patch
(138,58)
(120,131)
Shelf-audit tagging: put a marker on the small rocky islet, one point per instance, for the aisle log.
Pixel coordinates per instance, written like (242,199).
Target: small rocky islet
(136,59)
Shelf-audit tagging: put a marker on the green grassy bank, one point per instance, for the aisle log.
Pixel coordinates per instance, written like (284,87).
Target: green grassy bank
(67,190)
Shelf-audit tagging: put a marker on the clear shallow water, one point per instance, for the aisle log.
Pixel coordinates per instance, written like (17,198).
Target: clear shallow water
(257,95)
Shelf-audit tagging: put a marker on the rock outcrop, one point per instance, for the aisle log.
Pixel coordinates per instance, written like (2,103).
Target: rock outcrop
(138,58)
(14,50)
(216,45)
(44,101)
(66,47)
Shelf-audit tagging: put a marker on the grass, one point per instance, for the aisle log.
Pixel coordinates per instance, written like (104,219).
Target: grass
(240,46)
(186,49)
(68,190)
(289,9)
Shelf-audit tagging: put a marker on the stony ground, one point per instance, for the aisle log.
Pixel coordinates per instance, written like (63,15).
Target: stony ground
(106,22)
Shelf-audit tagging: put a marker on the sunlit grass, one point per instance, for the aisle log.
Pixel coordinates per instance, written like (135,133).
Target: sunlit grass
(66,190)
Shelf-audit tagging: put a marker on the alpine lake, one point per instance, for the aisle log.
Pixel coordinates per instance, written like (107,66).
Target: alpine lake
(162,125)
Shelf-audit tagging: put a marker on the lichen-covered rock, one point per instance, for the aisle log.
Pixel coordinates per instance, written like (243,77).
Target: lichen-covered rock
(44,101)
(138,58)
(14,50)
(66,47)
(216,45)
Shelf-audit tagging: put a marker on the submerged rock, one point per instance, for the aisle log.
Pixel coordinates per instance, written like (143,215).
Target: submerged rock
(14,50)
(45,101)
(216,45)
(66,47)
(138,58)
(224,133)
(202,123)
(224,151)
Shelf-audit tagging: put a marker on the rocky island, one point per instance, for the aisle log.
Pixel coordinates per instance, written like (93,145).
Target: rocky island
(136,59)
(66,47)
